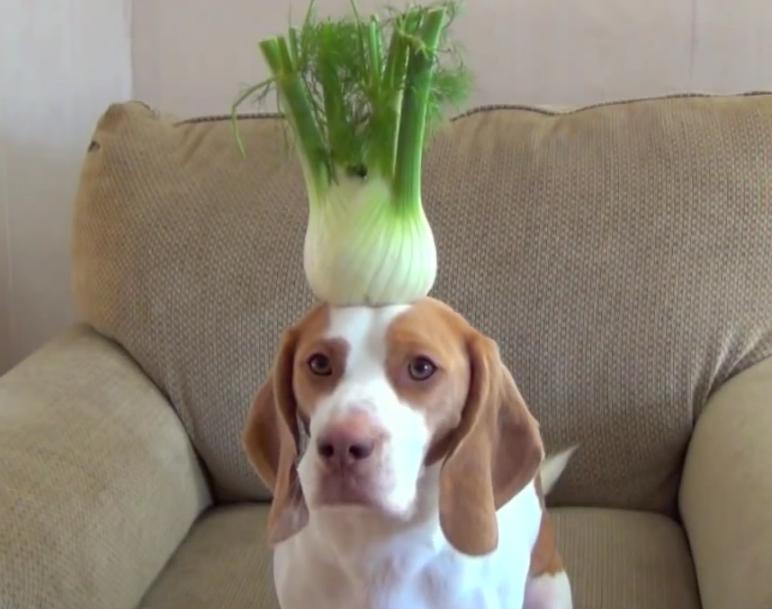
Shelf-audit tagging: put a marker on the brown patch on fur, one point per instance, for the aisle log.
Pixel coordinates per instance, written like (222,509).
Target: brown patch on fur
(309,387)
(489,440)
(271,434)
(545,558)
(431,329)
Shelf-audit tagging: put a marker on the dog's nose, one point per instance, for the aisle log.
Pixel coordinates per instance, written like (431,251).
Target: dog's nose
(343,447)
(348,441)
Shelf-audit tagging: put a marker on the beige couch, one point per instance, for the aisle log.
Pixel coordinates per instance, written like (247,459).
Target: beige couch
(620,254)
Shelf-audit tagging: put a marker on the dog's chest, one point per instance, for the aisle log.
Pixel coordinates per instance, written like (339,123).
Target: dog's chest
(411,572)
(444,581)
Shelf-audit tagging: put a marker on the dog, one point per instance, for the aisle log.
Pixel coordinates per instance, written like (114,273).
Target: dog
(407,471)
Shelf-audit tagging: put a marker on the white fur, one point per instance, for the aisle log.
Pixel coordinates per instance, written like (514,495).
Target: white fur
(358,558)
(552,468)
(549,592)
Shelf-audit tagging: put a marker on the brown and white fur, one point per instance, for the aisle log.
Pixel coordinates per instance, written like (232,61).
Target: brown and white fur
(406,469)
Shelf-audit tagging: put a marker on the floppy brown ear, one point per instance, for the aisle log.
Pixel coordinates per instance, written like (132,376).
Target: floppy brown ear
(495,452)
(271,439)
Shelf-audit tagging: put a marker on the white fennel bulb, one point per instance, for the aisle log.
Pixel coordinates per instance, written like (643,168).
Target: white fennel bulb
(362,249)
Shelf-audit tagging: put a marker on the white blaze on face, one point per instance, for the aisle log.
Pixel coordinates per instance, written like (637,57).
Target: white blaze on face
(365,386)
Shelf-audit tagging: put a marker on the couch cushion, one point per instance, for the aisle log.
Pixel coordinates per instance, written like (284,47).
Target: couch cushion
(615,559)
(619,254)
(623,558)
(224,563)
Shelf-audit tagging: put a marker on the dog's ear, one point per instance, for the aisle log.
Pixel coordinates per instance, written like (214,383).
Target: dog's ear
(495,451)
(271,440)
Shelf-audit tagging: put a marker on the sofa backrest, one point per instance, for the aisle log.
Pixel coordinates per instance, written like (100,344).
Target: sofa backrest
(621,255)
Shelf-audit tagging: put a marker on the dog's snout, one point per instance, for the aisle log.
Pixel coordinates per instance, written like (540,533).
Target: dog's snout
(348,441)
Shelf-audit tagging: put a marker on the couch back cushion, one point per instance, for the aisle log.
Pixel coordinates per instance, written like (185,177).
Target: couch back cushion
(621,255)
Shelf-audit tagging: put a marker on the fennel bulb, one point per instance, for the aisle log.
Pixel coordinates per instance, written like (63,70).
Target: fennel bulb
(361,249)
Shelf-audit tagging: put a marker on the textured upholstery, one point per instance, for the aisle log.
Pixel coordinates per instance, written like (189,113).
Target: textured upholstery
(224,563)
(617,559)
(98,481)
(619,254)
(626,559)
(726,494)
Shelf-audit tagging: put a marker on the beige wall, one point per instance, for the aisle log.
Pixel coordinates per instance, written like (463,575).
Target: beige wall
(61,63)
(190,55)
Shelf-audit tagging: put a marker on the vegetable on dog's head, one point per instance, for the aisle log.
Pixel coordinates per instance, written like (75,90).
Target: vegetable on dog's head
(360,97)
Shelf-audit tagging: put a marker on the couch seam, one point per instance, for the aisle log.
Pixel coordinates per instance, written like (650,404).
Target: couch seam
(209,118)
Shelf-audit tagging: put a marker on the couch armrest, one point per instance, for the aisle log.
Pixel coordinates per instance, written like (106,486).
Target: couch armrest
(726,493)
(98,481)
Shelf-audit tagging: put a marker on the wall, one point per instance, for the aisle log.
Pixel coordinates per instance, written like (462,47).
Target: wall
(62,62)
(191,55)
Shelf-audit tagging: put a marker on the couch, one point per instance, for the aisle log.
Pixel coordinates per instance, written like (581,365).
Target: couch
(621,255)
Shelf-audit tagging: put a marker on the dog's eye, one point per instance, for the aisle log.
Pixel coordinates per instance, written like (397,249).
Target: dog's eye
(320,364)
(421,368)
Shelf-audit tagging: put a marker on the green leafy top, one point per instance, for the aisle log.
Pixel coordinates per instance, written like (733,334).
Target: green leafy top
(360,94)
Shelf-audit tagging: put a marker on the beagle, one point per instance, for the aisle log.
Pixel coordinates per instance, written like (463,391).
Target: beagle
(406,469)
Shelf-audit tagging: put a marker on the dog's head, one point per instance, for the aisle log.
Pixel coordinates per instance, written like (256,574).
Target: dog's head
(362,400)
